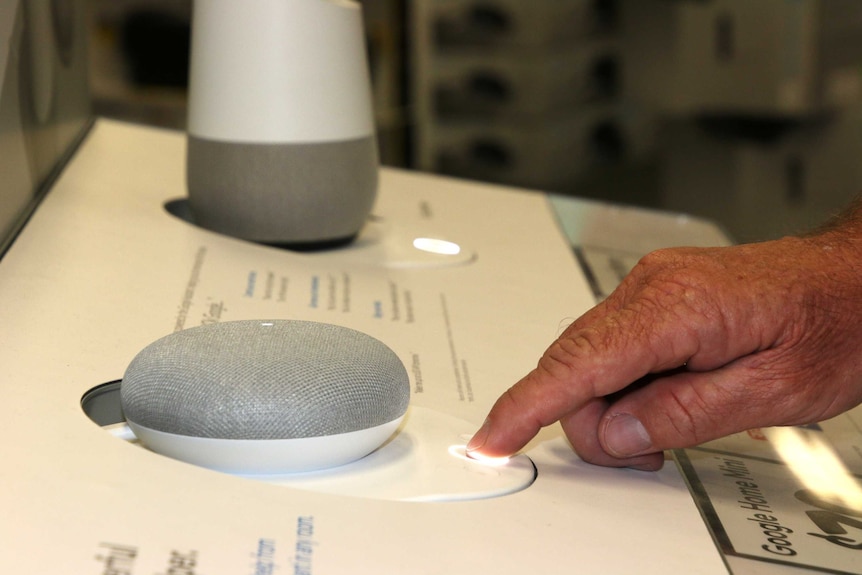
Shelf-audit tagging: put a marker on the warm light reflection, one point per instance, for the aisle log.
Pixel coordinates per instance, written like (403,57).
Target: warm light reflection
(436,246)
(460,451)
(816,465)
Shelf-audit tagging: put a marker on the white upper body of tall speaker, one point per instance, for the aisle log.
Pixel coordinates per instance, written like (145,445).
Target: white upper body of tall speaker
(281,138)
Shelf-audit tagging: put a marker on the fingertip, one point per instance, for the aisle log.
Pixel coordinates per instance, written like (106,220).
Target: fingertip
(649,462)
(477,442)
(494,441)
(646,462)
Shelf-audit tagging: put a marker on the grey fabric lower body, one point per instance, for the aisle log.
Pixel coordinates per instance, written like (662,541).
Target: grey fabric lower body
(287,194)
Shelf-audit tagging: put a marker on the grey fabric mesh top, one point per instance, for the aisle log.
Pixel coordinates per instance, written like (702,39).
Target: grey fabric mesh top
(279,379)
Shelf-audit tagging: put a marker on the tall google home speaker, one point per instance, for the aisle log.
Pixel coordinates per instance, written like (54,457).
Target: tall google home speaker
(281,142)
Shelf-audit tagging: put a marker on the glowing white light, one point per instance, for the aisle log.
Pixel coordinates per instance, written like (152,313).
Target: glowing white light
(460,451)
(435,246)
(267,324)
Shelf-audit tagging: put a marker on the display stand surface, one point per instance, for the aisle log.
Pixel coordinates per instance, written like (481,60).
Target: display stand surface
(102,270)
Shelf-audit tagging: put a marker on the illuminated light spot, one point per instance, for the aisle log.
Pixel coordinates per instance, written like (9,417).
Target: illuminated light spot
(460,451)
(436,246)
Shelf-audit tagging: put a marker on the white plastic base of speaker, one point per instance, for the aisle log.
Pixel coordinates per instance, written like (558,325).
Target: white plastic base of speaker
(267,456)
(424,461)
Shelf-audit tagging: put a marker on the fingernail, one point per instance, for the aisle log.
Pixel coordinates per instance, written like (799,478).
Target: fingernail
(625,436)
(481,437)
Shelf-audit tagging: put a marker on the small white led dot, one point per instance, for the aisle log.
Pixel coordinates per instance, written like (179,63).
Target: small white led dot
(437,246)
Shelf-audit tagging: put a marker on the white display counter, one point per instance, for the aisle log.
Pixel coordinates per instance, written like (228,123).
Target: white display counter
(102,269)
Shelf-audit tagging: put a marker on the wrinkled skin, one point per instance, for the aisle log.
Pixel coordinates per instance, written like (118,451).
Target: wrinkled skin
(696,344)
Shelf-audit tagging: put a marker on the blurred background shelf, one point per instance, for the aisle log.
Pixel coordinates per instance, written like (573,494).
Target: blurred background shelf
(748,113)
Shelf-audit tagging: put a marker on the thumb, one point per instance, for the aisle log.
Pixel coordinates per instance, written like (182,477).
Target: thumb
(690,408)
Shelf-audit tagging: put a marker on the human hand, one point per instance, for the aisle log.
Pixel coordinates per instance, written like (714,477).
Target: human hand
(696,344)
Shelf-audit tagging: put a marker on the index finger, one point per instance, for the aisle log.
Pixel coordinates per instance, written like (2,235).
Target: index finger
(601,353)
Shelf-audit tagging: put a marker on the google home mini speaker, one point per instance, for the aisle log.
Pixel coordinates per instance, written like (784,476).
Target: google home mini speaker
(265,397)
(281,141)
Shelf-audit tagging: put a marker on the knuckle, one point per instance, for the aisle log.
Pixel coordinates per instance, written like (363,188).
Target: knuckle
(678,280)
(692,414)
(561,360)
(686,416)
